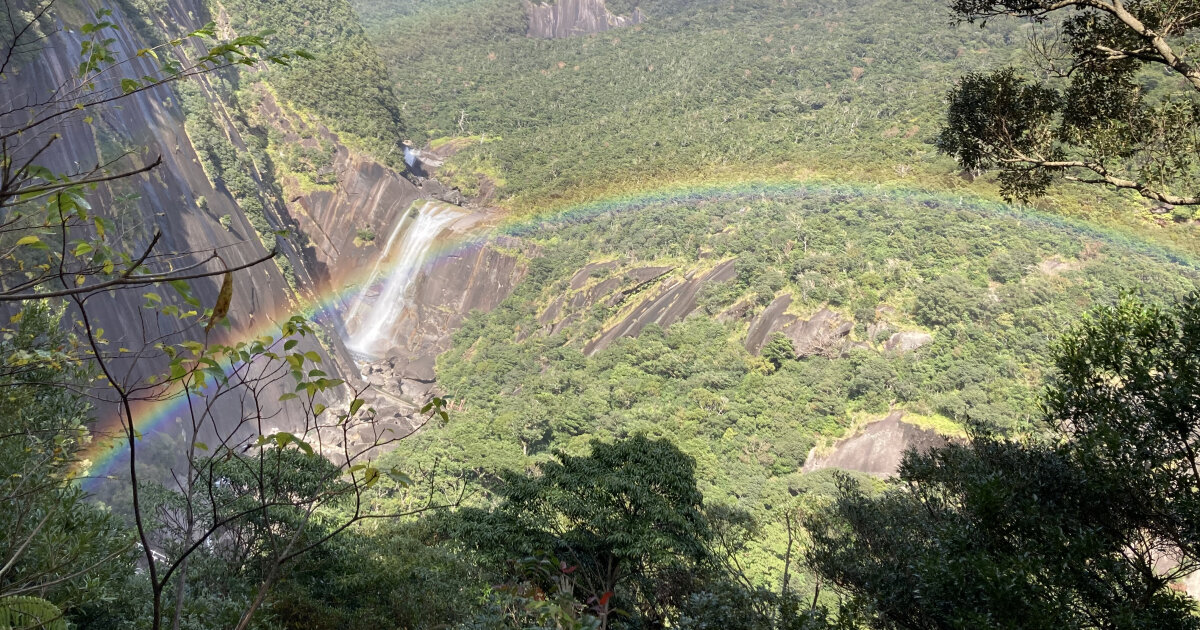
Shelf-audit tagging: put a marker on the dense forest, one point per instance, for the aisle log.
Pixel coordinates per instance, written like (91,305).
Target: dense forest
(697,88)
(844,89)
(739,236)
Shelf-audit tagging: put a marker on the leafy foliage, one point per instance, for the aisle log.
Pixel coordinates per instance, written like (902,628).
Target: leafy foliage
(21,612)
(1085,530)
(1121,108)
(341,80)
(55,543)
(1132,370)
(624,514)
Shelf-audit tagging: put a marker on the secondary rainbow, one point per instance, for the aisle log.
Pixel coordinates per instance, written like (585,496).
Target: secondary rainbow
(107,451)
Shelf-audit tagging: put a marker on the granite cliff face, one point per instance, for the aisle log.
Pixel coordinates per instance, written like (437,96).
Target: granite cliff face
(196,214)
(176,198)
(567,18)
(368,197)
(825,333)
(477,275)
(637,295)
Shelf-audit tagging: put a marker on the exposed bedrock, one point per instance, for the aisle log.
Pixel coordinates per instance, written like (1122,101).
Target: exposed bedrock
(177,199)
(826,333)
(475,276)
(368,196)
(907,341)
(878,449)
(670,300)
(603,283)
(566,18)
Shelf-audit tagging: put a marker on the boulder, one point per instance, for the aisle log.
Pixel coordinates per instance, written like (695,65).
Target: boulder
(907,341)
(878,448)
(824,334)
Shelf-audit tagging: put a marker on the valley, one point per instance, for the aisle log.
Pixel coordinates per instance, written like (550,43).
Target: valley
(441,301)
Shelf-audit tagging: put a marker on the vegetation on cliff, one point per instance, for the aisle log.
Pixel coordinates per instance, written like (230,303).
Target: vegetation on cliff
(344,82)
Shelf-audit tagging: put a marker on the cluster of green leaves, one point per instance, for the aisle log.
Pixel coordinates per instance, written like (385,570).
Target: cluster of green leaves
(618,537)
(56,544)
(1113,98)
(622,516)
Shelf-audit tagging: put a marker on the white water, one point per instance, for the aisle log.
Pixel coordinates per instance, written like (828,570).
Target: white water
(370,319)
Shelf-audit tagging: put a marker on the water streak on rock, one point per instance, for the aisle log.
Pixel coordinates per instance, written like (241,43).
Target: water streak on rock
(373,311)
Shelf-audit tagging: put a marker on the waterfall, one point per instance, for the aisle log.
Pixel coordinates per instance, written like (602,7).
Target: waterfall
(370,319)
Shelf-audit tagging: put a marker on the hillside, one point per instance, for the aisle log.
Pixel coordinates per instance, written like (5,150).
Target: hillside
(586,314)
(697,87)
(665,268)
(650,318)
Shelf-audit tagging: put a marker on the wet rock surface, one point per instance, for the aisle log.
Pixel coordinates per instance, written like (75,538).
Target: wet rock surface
(368,196)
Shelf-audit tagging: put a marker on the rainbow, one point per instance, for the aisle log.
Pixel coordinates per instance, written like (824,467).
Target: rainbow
(103,455)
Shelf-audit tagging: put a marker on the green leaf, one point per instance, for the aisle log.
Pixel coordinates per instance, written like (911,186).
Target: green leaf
(370,476)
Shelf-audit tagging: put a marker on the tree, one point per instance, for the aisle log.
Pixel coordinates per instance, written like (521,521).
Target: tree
(949,299)
(625,519)
(1100,116)
(998,535)
(779,350)
(55,544)
(1087,528)
(1124,399)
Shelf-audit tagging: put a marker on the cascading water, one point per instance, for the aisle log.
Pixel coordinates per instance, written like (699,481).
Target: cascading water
(370,319)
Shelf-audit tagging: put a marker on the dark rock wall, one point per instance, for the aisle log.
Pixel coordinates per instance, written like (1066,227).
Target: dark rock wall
(176,198)
(825,333)
(367,195)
